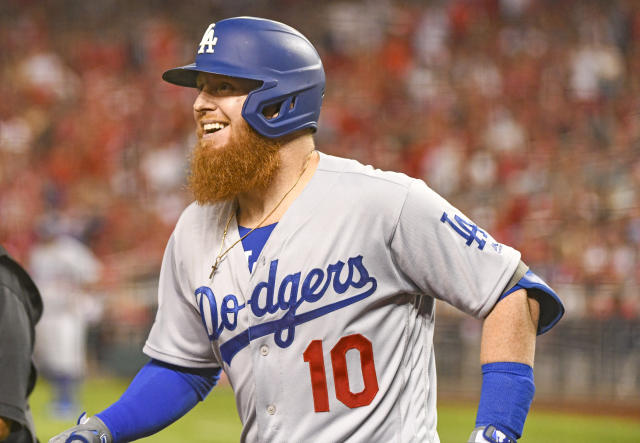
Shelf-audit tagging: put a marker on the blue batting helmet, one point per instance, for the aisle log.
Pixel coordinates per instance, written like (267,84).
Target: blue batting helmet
(286,63)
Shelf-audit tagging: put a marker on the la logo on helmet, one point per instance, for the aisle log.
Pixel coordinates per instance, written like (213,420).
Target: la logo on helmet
(209,40)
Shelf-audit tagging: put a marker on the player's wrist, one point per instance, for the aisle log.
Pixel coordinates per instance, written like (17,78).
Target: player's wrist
(88,430)
(490,434)
(507,392)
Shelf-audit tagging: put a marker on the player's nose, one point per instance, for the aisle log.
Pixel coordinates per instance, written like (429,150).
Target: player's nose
(204,102)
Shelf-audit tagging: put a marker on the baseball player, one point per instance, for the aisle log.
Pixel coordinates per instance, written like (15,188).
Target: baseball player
(64,269)
(311,280)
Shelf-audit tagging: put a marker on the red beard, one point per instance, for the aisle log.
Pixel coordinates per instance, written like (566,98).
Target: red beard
(248,162)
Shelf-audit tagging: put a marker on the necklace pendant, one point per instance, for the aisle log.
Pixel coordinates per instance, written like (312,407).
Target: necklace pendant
(214,267)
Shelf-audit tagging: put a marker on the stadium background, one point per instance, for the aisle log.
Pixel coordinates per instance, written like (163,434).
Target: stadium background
(523,113)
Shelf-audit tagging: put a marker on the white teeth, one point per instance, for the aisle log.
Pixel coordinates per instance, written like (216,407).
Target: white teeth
(213,127)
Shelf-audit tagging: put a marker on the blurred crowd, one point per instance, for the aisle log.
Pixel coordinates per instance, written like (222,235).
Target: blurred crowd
(525,114)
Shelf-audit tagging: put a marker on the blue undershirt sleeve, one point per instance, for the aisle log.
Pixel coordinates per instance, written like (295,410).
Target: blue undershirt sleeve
(158,395)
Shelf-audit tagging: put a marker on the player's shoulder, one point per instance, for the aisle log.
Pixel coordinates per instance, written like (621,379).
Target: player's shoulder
(378,189)
(363,176)
(195,211)
(196,218)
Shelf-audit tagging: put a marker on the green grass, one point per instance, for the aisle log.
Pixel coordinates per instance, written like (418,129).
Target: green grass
(544,427)
(213,421)
(216,420)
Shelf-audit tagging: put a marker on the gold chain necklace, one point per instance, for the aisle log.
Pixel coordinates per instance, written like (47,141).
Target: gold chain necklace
(221,254)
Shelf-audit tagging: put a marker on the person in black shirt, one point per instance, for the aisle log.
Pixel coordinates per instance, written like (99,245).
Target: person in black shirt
(20,310)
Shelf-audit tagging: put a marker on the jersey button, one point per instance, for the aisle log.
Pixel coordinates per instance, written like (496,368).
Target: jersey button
(271,409)
(264,350)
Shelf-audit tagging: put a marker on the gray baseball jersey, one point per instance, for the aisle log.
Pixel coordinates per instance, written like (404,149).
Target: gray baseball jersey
(330,337)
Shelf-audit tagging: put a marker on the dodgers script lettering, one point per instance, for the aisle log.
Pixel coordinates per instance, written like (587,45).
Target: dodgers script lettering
(287,296)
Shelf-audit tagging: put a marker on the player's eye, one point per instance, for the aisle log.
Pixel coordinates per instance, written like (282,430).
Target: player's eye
(224,88)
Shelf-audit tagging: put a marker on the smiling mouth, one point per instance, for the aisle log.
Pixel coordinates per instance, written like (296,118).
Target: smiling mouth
(210,128)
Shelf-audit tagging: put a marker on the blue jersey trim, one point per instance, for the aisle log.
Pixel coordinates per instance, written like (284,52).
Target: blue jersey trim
(551,307)
(255,242)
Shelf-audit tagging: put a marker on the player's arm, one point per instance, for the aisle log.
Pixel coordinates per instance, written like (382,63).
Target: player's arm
(509,331)
(159,395)
(507,354)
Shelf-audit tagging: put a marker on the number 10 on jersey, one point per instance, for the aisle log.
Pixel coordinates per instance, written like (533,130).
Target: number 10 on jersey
(315,357)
